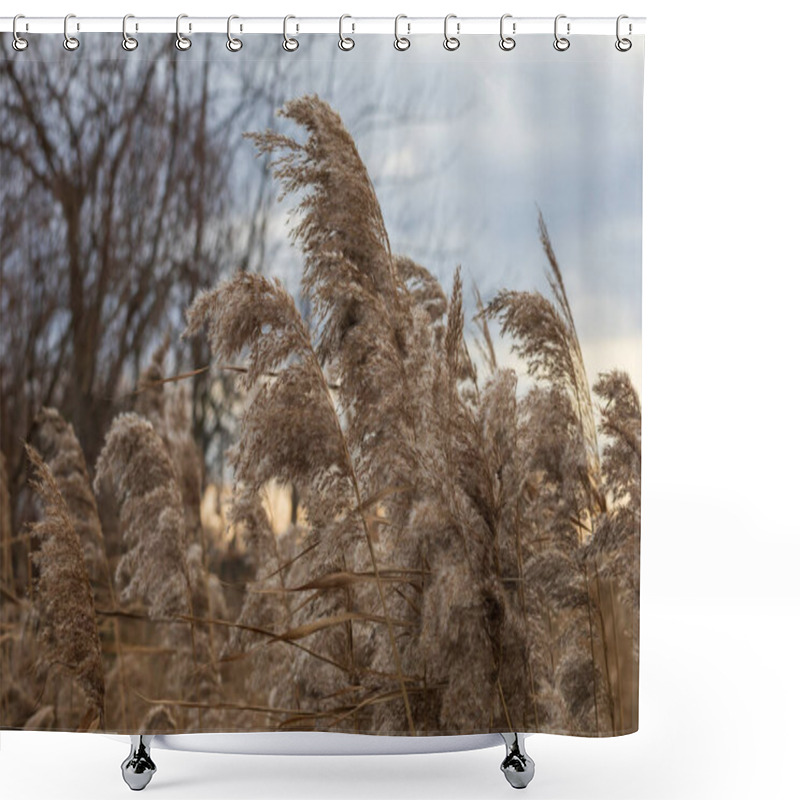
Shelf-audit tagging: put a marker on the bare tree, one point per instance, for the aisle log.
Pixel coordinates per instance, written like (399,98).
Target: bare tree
(116,209)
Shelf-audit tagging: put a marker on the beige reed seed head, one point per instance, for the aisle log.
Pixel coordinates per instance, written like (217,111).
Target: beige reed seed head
(153,568)
(64,594)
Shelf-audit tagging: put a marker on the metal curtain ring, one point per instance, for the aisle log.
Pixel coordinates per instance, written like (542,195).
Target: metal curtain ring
(345,42)
(128,42)
(507,42)
(561,43)
(181,42)
(623,45)
(401,42)
(233,44)
(70,42)
(451,42)
(18,43)
(289,44)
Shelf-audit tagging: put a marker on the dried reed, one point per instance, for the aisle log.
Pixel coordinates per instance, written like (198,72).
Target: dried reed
(153,569)
(60,449)
(464,559)
(64,597)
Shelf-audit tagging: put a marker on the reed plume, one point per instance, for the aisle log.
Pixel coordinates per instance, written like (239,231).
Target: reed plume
(262,606)
(159,569)
(400,370)
(7,568)
(63,454)
(545,336)
(424,289)
(461,557)
(64,597)
(153,569)
(168,411)
(557,515)
(378,317)
(58,445)
(558,437)
(614,549)
(621,422)
(350,277)
(451,537)
(278,439)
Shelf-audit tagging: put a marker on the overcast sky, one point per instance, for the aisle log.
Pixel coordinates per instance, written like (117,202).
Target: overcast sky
(492,135)
(464,147)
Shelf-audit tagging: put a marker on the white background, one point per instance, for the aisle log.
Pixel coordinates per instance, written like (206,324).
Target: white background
(720,541)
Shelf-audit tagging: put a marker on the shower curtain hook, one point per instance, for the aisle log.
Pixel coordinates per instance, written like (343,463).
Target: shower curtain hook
(345,42)
(181,42)
(451,43)
(401,42)
(70,42)
(233,44)
(507,42)
(19,43)
(128,42)
(561,43)
(623,45)
(289,44)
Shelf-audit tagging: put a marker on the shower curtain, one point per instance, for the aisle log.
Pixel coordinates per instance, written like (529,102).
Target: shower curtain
(320,381)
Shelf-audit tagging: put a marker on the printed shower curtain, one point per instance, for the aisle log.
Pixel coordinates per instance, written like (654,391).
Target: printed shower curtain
(320,382)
